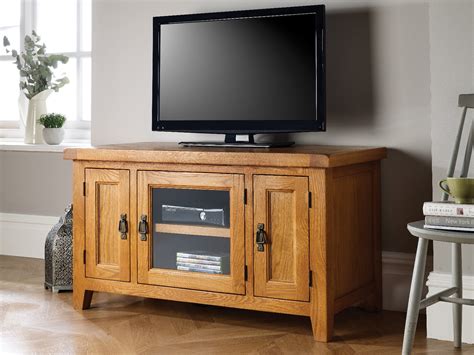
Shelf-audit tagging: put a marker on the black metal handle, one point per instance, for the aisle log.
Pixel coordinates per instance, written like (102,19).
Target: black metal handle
(143,227)
(123,226)
(261,237)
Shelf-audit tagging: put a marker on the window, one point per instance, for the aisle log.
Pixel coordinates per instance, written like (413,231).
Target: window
(65,27)
(10,27)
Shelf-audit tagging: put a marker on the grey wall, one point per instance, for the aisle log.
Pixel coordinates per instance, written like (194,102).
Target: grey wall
(34,183)
(452,73)
(378,88)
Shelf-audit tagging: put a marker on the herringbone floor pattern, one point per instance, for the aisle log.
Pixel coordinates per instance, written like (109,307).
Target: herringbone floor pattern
(33,320)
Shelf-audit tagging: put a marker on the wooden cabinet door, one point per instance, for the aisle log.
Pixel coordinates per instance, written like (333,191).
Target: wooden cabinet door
(107,250)
(161,249)
(281,270)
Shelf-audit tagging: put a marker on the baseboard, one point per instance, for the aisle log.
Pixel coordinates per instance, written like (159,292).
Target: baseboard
(23,234)
(397,269)
(439,316)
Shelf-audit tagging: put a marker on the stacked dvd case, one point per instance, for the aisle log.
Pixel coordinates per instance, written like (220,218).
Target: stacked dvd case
(199,261)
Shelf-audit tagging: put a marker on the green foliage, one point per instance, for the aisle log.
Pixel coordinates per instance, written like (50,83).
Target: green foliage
(35,66)
(52,120)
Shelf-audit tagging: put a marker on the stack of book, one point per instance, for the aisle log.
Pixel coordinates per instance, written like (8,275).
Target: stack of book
(449,216)
(202,262)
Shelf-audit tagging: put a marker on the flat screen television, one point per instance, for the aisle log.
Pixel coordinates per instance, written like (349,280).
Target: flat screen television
(240,72)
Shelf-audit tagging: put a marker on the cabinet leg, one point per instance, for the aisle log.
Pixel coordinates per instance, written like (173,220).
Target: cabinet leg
(82,299)
(322,325)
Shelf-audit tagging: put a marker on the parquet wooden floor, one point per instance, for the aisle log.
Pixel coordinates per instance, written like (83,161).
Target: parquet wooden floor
(34,320)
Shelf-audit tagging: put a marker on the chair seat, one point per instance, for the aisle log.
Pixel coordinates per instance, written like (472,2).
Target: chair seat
(418,230)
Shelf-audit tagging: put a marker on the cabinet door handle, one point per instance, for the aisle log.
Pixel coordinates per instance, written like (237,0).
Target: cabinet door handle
(123,226)
(143,227)
(261,237)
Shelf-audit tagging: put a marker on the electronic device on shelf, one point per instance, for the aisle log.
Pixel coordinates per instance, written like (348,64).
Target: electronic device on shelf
(192,215)
(239,73)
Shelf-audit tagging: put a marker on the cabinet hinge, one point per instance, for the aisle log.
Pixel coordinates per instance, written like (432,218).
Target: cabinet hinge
(84,257)
(245,196)
(246,273)
(310,199)
(310,278)
(83,188)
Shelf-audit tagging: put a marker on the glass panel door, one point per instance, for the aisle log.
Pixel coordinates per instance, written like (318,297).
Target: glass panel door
(191,230)
(195,236)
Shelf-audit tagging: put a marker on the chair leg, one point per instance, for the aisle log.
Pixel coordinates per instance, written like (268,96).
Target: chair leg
(457,282)
(416,289)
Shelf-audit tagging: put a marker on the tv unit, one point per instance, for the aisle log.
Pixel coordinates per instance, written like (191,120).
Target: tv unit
(240,72)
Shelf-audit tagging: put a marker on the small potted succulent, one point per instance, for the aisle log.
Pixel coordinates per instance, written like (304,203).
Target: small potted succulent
(53,131)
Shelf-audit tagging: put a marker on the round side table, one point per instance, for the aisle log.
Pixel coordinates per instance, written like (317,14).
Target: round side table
(452,295)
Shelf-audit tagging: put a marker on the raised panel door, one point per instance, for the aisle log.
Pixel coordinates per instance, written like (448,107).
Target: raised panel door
(107,205)
(281,256)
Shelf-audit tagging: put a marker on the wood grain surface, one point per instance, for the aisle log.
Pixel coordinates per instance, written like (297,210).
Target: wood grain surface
(192,230)
(323,259)
(322,255)
(282,269)
(297,156)
(107,197)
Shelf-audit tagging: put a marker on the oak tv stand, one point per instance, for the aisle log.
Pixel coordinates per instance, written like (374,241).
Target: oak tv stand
(288,230)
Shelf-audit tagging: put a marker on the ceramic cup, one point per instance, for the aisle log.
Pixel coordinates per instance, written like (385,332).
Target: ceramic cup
(461,189)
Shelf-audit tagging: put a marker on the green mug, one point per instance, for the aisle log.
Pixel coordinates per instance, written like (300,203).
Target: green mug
(461,189)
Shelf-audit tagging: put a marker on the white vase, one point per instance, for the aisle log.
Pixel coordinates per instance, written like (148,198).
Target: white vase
(53,136)
(36,108)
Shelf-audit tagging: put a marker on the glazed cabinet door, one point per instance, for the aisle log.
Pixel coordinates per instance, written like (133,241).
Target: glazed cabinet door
(191,230)
(281,249)
(107,211)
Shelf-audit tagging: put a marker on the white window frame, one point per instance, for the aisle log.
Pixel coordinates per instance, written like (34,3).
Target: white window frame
(79,129)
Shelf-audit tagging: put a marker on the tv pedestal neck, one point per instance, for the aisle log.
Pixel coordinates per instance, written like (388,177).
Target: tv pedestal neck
(232,142)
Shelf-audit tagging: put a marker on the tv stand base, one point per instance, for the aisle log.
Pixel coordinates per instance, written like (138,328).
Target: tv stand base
(319,205)
(231,142)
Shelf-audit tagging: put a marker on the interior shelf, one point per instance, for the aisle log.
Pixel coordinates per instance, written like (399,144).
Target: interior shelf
(192,230)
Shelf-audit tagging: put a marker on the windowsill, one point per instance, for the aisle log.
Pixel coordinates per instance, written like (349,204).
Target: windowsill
(15,145)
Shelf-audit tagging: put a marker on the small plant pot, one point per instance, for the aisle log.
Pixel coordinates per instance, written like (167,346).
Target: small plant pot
(53,136)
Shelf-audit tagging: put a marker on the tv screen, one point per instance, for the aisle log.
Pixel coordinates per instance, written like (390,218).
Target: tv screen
(255,71)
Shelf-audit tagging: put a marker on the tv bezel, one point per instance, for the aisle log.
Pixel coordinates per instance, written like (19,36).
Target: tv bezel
(245,126)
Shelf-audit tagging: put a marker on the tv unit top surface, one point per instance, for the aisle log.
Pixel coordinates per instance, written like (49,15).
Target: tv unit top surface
(302,156)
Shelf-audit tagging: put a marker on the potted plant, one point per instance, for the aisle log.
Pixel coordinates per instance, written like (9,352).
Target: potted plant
(53,131)
(37,81)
